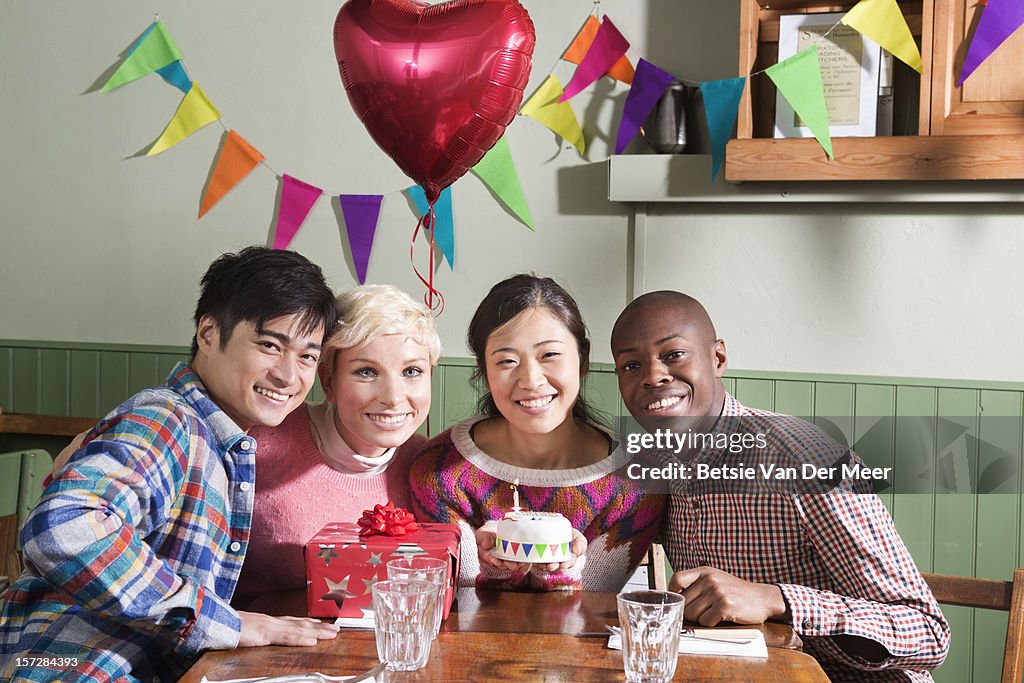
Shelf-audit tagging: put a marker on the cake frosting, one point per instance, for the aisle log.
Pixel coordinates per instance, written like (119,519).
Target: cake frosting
(527,536)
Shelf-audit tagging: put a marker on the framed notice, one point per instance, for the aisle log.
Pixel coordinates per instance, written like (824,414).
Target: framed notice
(849,65)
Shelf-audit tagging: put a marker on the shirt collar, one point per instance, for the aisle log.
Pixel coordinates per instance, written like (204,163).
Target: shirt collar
(186,382)
(731,407)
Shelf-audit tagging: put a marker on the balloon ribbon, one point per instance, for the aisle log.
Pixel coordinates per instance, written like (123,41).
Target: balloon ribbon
(427,221)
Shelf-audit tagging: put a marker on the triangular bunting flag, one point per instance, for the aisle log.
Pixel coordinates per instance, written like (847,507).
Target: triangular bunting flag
(361,212)
(174,74)
(883,22)
(154,50)
(649,84)
(609,45)
(544,106)
(515,547)
(999,19)
(504,547)
(565,548)
(621,70)
(297,198)
(194,112)
(499,175)
(721,104)
(799,80)
(541,547)
(444,224)
(237,158)
(527,547)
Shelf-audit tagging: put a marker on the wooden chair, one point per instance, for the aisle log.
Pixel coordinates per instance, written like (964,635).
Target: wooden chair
(21,477)
(1007,596)
(656,565)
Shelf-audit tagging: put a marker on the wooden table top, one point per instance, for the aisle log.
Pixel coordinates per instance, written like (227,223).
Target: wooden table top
(507,637)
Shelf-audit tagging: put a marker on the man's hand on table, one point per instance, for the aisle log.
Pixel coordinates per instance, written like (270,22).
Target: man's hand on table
(485,540)
(261,629)
(713,596)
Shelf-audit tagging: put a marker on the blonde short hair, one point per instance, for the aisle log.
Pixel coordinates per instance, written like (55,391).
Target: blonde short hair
(368,311)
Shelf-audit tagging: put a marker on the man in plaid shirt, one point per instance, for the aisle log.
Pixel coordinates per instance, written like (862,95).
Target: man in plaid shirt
(830,564)
(135,547)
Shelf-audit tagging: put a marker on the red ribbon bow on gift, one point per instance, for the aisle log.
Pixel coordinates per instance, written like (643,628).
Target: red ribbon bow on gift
(388,520)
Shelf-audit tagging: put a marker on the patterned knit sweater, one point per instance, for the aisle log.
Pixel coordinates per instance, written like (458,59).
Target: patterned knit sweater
(298,493)
(454,481)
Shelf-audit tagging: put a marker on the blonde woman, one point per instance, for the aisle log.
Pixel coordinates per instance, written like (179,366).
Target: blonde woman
(329,461)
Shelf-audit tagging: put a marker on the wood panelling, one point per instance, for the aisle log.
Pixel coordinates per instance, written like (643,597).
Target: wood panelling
(972,436)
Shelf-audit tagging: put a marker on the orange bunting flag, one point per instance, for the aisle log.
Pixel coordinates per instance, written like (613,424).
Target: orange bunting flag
(237,159)
(621,70)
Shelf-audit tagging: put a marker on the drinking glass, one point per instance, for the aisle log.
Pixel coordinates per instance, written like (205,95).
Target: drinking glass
(650,623)
(429,569)
(403,614)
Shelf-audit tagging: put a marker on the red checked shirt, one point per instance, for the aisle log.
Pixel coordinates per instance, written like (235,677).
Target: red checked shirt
(837,558)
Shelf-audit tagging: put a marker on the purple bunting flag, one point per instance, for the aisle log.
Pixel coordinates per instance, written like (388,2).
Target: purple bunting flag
(608,47)
(361,212)
(297,198)
(999,20)
(649,84)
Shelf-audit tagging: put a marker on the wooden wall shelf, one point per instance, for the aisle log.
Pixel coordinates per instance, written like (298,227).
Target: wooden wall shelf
(948,157)
(974,132)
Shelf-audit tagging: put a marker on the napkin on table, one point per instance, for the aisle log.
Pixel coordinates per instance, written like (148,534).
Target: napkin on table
(695,645)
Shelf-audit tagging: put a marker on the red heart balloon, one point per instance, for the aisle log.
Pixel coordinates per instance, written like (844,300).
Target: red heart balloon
(435,85)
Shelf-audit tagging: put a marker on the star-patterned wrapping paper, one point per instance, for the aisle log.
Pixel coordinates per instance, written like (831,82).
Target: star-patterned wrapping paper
(342,566)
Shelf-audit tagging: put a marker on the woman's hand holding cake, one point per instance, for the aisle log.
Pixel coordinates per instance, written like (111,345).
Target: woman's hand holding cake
(487,540)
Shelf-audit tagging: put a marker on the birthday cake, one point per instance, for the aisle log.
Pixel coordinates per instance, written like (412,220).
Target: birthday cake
(526,536)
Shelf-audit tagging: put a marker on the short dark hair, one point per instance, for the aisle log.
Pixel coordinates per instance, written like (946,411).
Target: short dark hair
(259,284)
(505,301)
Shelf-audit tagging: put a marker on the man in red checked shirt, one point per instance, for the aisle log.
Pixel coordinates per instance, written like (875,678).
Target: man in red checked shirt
(831,564)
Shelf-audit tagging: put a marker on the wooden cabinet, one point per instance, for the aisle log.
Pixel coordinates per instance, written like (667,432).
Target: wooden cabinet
(973,132)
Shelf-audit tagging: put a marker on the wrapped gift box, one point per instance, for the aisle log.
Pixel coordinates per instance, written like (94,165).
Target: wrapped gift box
(341,565)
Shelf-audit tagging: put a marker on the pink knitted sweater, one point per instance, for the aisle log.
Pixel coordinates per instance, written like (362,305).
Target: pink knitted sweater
(297,493)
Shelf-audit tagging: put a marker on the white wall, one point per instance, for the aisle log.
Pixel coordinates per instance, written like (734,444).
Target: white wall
(98,247)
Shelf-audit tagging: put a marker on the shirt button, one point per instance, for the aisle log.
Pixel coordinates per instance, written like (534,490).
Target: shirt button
(244,486)
(235,546)
(245,445)
(808,624)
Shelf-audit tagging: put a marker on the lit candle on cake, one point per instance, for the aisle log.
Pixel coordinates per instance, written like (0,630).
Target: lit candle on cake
(515,495)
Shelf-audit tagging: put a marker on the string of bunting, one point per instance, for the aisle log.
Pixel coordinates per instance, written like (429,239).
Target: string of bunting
(155,51)
(599,49)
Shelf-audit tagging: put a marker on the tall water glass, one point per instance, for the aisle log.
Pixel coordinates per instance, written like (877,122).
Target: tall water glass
(650,623)
(403,614)
(429,569)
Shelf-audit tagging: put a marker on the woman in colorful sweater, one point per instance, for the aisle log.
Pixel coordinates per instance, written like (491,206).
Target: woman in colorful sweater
(532,353)
(330,461)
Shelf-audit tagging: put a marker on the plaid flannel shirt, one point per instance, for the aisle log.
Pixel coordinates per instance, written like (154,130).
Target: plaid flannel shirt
(134,549)
(837,558)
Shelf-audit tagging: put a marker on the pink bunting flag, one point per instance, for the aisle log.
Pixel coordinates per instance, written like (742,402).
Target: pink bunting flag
(297,198)
(999,20)
(608,47)
(361,212)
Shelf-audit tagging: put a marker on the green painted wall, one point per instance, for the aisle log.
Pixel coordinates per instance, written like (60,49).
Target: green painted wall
(963,534)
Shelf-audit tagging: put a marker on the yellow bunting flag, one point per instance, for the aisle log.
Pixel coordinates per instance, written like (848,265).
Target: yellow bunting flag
(544,106)
(194,112)
(883,22)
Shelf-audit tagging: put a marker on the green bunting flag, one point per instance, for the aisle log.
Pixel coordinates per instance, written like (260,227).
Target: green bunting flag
(155,50)
(799,80)
(499,175)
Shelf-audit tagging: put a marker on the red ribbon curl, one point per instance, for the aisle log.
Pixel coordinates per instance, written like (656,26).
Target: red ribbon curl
(387,520)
